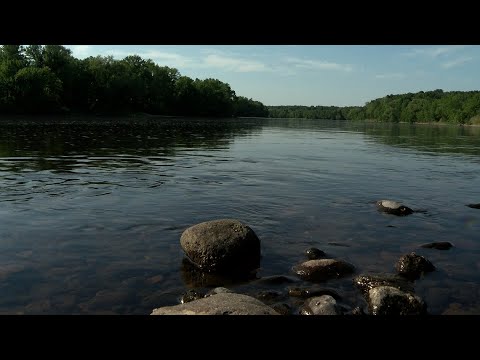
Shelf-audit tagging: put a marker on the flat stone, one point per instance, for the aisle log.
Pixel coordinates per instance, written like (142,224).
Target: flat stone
(219,304)
(323,269)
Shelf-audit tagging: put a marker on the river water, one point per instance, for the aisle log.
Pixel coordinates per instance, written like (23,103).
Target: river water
(92,210)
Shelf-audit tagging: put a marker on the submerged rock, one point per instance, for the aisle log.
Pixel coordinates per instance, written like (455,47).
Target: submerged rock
(412,266)
(275,280)
(366,282)
(268,296)
(314,253)
(387,300)
(474,206)
(306,293)
(219,304)
(393,207)
(442,245)
(195,278)
(323,269)
(221,246)
(321,305)
(282,308)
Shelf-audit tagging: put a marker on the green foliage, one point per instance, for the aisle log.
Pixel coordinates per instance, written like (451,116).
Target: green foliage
(431,106)
(37,90)
(249,108)
(48,79)
(308,112)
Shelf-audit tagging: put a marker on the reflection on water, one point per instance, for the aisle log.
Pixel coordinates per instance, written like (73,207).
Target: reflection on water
(92,211)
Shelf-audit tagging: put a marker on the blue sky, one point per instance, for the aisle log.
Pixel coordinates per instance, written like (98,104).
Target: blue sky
(340,75)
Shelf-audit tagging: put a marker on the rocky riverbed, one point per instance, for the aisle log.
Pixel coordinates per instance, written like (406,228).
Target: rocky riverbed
(322,284)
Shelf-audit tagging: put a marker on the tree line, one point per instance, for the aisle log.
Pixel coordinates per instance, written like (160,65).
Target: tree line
(46,79)
(438,106)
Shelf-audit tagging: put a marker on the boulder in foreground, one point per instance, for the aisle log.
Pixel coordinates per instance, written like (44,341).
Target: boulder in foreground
(225,245)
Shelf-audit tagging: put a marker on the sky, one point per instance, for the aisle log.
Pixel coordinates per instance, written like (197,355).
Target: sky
(328,75)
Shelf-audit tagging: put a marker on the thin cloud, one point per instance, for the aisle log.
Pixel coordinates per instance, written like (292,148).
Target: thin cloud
(390,76)
(81,51)
(318,64)
(456,62)
(233,64)
(159,57)
(435,52)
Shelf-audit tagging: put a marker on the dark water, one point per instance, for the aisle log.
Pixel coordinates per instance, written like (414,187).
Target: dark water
(92,211)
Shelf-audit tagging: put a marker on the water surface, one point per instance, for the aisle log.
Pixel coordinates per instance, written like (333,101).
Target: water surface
(92,210)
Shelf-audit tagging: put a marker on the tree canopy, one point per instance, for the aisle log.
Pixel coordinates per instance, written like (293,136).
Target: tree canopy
(37,79)
(460,107)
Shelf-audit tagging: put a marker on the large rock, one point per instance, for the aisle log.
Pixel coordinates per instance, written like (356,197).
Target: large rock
(323,269)
(387,300)
(412,266)
(222,246)
(393,207)
(321,305)
(219,304)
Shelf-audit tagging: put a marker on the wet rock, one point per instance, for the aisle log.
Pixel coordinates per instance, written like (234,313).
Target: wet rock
(474,206)
(282,308)
(195,278)
(191,295)
(323,269)
(314,253)
(387,300)
(442,245)
(268,296)
(321,305)
(154,279)
(357,311)
(393,207)
(219,304)
(412,266)
(366,282)
(222,246)
(306,293)
(218,290)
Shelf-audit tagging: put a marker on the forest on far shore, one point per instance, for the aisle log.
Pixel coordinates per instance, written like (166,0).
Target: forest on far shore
(37,79)
(47,79)
(438,106)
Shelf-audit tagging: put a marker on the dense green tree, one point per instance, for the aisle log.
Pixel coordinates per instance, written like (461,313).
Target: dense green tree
(37,90)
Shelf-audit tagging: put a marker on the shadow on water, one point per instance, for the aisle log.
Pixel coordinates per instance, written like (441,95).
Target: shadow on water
(64,145)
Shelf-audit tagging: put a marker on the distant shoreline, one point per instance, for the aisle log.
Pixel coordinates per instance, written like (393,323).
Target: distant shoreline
(140,116)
